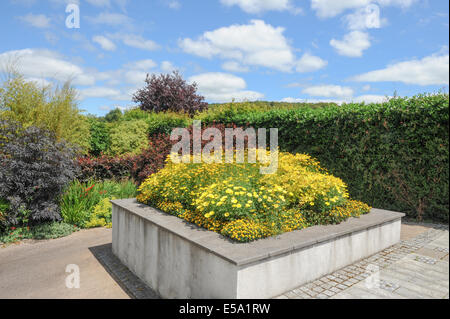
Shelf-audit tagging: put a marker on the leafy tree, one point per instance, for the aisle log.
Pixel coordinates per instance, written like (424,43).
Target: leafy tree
(52,108)
(100,139)
(113,115)
(169,92)
(33,172)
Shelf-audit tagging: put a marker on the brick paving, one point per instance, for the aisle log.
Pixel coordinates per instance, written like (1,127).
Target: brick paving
(414,268)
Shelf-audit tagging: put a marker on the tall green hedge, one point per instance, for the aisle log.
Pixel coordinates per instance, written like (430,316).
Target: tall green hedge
(393,155)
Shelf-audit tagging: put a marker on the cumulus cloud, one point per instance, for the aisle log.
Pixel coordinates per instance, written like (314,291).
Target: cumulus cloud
(100,3)
(256,43)
(310,63)
(358,99)
(142,65)
(367,17)
(111,19)
(233,66)
(329,91)
(98,92)
(135,41)
(104,42)
(352,45)
(223,87)
(36,20)
(331,8)
(167,66)
(258,6)
(45,64)
(430,70)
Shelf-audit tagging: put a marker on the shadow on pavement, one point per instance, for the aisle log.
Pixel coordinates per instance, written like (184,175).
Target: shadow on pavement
(129,282)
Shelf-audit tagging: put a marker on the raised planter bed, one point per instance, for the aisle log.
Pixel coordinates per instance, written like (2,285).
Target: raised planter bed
(181,260)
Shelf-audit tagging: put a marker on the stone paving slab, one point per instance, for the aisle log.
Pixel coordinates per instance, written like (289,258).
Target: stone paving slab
(417,267)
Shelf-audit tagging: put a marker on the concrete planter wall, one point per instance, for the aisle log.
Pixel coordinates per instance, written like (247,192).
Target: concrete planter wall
(181,260)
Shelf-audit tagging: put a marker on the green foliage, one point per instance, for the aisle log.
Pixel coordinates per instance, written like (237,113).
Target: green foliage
(246,111)
(51,108)
(79,199)
(100,139)
(128,137)
(113,115)
(4,206)
(393,155)
(101,216)
(42,231)
(158,123)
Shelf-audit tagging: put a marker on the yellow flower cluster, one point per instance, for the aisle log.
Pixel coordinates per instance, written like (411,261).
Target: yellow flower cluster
(244,230)
(101,216)
(351,208)
(236,200)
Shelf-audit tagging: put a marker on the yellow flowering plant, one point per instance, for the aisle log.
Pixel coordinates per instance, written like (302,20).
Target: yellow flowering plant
(237,201)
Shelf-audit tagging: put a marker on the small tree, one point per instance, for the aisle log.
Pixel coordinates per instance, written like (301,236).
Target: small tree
(34,169)
(169,92)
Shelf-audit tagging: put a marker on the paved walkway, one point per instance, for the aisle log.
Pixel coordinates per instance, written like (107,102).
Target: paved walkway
(415,268)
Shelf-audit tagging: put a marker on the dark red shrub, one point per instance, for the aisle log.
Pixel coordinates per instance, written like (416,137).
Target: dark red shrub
(137,167)
(169,92)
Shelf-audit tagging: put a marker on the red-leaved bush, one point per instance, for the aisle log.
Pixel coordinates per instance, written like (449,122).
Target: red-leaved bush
(138,167)
(169,92)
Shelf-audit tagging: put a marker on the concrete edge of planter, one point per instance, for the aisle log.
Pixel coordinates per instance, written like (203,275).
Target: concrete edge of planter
(243,254)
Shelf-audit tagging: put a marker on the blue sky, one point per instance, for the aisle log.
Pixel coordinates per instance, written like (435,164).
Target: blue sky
(276,50)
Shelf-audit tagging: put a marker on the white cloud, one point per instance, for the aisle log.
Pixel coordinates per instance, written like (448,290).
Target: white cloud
(223,87)
(36,20)
(104,42)
(353,44)
(167,66)
(310,63)
(233,66)
(45,64)
(174,4)
(142,65)
(430,70)
(359,99)
(256,43)
(371,98)
(258,6)
(100,3)
(329,91)
(111,19)
(367,17)
(135,41)
(135,77)
(98,92)
(331,8)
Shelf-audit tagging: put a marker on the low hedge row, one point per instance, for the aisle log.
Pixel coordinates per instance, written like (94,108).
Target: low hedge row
(393,155)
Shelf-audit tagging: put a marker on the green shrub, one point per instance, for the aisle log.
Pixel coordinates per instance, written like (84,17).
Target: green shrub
(99,137)
(42,231)
(79,200)
(128,137)
(50,108)
(113,115)
(101,216)
(393,155)
(237,112)
(158,123)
